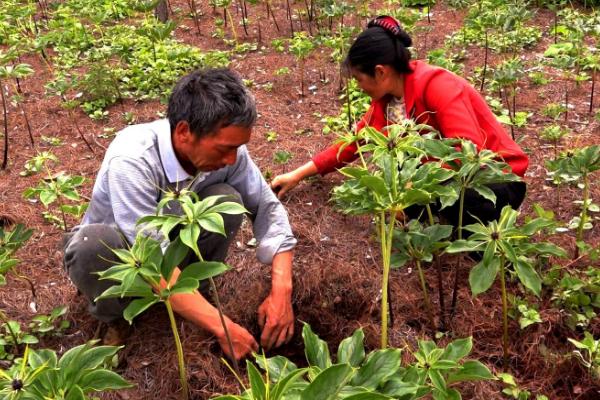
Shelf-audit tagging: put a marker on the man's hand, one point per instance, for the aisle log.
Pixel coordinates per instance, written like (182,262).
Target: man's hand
(242,341)
(276,319)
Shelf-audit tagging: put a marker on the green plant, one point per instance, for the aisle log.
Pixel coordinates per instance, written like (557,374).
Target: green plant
(388,182)
(37,163)
(282,157)
(301,46)
(554,133)
(511,388)
(524,312)
(80,371)
(8,72)
(574,166)
(474,170)
(51,324)
(539,78)
(506,80)
(13,335)
(143,267)
(356,375)
(576,294)
(588,353)
(553,110)
(413,242)
(10,242)
(503,243)
(282,71)
(60,188)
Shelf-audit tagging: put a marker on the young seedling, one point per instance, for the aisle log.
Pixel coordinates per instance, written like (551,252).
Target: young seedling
(588,353)
(474,170)
(60,188)
(573,166)
(503,243)
(148,274)
(37,163)
(413,242)
(301,46)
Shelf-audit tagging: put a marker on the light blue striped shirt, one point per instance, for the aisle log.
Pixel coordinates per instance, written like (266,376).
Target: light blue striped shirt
(140,165)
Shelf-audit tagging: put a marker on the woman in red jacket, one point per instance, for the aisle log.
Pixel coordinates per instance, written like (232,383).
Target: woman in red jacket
(379,60)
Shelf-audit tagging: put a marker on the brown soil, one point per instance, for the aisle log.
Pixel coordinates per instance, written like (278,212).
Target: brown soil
(336,268)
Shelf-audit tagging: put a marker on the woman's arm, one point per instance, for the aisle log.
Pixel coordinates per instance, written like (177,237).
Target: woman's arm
(281,184)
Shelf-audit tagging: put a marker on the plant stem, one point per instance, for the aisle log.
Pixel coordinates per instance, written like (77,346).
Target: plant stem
(5,113)
(583,218)
(222,318)
(233,31)
(180,359)
(425,294)
(440,277)
(461,208)
(504,314)
(5,321)
(386,250)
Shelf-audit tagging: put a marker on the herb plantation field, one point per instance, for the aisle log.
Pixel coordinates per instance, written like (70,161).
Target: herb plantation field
(385,307)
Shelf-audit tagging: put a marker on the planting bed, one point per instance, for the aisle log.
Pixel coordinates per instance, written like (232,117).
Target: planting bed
(336,262)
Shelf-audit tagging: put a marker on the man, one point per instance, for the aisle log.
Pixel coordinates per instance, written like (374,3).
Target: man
(200,146)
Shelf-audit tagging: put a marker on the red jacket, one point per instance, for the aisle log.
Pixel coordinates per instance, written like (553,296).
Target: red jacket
(448,103)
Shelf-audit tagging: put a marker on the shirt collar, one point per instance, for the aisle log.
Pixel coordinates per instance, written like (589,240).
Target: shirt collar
(173,169)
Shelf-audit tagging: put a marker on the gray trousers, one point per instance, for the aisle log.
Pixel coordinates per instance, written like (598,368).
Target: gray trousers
(87,251)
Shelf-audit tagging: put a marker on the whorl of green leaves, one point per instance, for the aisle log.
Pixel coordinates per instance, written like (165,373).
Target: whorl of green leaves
(572,165)
(504,239)
(80,371)
(396,176)
(141,267)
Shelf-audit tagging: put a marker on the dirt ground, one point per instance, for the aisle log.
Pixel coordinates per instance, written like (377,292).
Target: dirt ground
(336,267)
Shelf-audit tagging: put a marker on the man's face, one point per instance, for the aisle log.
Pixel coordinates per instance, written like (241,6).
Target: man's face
(210,152)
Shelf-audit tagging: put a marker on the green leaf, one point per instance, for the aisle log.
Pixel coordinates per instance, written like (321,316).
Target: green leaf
(257,385)
(482,276)
(528,276)
(368,396)
(229,207)
(75,393)
(47,197)
(380,365)
(485,192)
(173,257)
(185,285)
(459,246)
(315,349)
(437,380)
(212,222)
(203,270)
(328,383)
(138,306)
(458,349)
(375,183)
(282,387)
(278,367)
(189,236)
(472,370)
(351,350)
(101,380)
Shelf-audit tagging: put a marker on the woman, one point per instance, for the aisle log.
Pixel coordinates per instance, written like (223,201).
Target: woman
(379,60)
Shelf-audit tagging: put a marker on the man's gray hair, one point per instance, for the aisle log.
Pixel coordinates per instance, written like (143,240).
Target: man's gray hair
(209,100)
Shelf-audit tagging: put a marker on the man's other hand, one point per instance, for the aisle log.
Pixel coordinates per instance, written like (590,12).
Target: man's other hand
(242,341)
(276,319)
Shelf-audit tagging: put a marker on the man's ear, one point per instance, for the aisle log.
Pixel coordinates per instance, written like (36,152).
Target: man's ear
(182,131)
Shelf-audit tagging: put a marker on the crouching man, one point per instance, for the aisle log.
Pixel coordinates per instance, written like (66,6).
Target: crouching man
(200,146)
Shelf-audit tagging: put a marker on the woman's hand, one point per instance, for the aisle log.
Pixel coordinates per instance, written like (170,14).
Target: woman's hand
(283,183)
